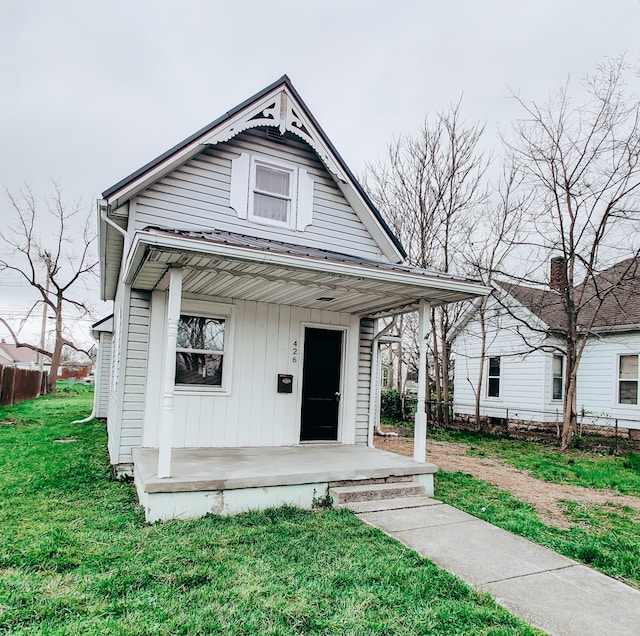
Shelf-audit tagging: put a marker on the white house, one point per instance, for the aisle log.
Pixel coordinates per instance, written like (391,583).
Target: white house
(20,357)
(248,270)
(523,375)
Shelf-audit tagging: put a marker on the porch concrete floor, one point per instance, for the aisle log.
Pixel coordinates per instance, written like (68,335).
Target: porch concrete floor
(204,469)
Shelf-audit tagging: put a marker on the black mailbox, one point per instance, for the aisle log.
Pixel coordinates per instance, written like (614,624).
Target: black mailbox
(285,383)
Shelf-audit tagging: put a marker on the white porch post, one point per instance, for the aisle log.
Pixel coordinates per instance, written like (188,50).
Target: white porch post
(420,430)
(165,438)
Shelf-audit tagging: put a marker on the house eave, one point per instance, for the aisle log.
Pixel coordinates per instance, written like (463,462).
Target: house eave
(351,288)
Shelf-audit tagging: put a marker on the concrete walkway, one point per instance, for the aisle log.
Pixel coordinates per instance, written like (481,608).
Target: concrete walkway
(548,591)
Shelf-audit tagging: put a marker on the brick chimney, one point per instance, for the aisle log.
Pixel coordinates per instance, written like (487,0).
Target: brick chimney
(558,273)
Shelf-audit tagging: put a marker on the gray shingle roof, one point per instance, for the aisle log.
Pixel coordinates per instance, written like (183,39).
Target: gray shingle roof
(612,296)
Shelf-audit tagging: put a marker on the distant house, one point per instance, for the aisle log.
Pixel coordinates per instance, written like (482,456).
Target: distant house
(20,357)
(523,377)
(248,270)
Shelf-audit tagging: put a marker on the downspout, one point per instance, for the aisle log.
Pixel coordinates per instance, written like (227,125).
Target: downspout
(103,206)
(373,384)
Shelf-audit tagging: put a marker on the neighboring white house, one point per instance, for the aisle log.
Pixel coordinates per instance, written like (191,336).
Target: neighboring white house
(102,334)
(523,376)
(20,357)
(248,269)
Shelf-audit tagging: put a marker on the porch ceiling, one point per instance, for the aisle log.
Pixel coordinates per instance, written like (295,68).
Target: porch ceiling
(303,279)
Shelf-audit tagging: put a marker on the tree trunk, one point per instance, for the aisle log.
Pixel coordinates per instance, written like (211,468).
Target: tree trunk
(483,351)
(436,369)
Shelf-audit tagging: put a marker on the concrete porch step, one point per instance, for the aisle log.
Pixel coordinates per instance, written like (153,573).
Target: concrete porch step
(380,505)
(371,492)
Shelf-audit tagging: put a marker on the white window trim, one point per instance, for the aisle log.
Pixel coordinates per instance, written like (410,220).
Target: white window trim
(241,194)
(499,396)
(274,164)
(560,399)
(623,405)
(212,310)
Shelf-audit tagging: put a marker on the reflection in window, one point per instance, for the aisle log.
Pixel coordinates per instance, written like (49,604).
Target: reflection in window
(200,351)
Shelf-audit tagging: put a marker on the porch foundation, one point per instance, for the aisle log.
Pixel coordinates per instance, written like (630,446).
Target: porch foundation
(228,481)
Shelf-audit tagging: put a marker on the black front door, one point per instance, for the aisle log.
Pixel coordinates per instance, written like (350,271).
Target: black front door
(321,384)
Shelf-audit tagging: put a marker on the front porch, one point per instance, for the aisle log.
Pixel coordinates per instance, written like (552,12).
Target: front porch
(228,481)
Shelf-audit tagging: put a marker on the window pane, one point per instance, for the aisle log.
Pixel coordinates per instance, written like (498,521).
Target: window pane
(195,332)
(628,367)
(199,368)
(269,180)
(494,366)
(628,392)
(494,387)
(271,207)
(557,388)
(557,366)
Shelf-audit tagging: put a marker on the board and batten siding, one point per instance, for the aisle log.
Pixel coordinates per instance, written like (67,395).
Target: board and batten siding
(365,354)
(196,196)
(265,340)
(103,374)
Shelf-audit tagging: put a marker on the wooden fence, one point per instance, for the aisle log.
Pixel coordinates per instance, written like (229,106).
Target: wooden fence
(18,385)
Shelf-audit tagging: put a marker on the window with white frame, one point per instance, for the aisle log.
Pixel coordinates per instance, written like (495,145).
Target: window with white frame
(557,372)
(272,193)
(200,351)
(493,377)
(628,379)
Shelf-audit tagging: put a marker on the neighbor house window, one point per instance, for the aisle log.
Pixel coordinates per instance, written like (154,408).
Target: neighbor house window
(200,351)
(272,193)
(628,379)
(493,389)
(558,375)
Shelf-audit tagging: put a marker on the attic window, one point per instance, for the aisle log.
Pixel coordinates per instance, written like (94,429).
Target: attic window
(272,193)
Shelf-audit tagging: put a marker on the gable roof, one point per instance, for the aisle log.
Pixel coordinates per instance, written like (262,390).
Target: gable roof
(289,113)
(18,354)
(618,286)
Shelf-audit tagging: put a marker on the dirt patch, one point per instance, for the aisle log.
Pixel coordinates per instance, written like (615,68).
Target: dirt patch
(544,496)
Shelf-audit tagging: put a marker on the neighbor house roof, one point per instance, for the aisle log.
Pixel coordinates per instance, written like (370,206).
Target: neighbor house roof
(18,354)
(609,301)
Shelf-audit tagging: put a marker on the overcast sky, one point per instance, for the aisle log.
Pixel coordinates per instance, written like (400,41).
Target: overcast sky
(91,91)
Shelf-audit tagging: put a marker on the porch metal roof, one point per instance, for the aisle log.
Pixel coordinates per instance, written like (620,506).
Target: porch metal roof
(229,265)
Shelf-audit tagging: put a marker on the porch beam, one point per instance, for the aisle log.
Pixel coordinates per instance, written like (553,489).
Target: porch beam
(165,437)
(420,429)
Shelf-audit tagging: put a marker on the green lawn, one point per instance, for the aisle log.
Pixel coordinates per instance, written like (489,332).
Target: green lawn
(582,468)
(77,558)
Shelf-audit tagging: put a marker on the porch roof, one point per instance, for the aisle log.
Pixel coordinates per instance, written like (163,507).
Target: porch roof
(206,469)
(228,265)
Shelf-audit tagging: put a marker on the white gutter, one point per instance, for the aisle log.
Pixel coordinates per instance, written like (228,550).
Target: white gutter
(103,206)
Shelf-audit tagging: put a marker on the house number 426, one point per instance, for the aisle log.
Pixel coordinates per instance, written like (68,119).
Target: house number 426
(294,352)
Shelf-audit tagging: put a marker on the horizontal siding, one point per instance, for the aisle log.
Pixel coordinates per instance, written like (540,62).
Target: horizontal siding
(522,372)
(135,369)
(196,196)
(103,382)
(364,380)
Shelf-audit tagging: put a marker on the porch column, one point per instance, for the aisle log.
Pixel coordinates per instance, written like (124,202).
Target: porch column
(165,437)
(420,430)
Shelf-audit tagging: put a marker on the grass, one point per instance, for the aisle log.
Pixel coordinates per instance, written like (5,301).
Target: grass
(591,470)
(77,558)
(602,537)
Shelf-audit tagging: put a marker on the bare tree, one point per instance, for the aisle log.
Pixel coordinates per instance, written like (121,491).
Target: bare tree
(581,163)
(425,187)
(52,251)
(494,235)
